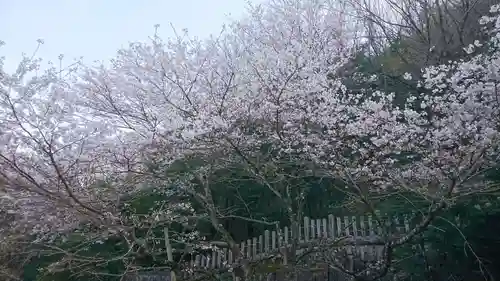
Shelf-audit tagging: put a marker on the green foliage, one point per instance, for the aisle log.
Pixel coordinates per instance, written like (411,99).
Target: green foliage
(462,244)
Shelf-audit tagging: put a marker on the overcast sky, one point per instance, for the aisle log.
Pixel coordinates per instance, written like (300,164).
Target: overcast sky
(95,29)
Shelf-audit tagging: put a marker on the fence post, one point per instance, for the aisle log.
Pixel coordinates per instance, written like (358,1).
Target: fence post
(169,252)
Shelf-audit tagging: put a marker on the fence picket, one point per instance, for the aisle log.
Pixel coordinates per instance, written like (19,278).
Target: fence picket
(370,226)
(280,238)
(407,223)
(362,229)
(325,228)
(286,235)
(203,261)
(242,248)
(313,229)
(299,233)
(379,222)
(339,227)
(318,228)
(261,244)
(273,240)
(249,248)
(266,241)
(225,258)
(331,226)
(254,247)
(220,258)
(354,227)
(307,229)
(347,226)
(397,225)
(197,261)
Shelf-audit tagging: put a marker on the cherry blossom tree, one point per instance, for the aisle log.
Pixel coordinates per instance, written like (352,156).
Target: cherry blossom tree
(258,83)
(262,95)
(65,175)
(269,83)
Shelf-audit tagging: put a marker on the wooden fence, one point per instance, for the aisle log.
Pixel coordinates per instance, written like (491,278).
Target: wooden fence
(311,230)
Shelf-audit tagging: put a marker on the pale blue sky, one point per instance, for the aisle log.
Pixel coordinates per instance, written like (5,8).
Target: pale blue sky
(95,29)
